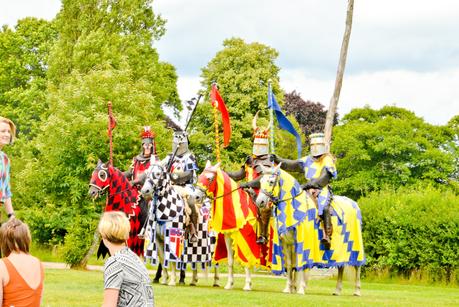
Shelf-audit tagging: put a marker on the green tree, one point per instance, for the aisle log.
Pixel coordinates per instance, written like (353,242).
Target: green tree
(242,71)
(24,54)
(390,147)
(104,53)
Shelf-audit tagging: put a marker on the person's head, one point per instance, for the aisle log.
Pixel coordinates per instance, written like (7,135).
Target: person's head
(114,227)
(7,131)
(148,142)
(14,237)
(260,139)
(317,142)
(180,142)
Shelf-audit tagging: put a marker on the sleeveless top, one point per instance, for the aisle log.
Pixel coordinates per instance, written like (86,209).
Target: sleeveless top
(17,292)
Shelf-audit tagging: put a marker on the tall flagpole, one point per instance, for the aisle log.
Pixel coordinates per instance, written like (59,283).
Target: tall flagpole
(217,137)
(271,117)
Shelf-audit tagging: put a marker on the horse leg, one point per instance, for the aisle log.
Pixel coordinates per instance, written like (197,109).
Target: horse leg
(194,278)
(216,277)
(339,283)
(172,280)
(182,276)
(248,279)
(158,274)
(161,261)
(228,242)
(288,267)
(357,281)
(302,281)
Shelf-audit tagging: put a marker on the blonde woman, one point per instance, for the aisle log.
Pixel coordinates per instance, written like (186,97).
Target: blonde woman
(7,134)
(126,280)
(21,274)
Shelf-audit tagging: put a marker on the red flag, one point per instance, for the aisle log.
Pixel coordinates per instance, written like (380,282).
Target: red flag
(217,102)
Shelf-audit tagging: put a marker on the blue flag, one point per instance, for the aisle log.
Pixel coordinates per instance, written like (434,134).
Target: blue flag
(284,123)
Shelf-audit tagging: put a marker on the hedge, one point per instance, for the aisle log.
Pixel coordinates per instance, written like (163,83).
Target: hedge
(408,231)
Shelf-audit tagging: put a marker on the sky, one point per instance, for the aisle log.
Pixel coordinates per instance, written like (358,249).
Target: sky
(402,53)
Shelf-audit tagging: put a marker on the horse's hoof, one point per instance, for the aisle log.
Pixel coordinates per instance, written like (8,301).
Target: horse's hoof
(181,283)
(336,293)
(216,285)
(357,293)
(193,284)
(156,281)
(229,286)
(300,291)
(247,288)
(286,290)
(171,284)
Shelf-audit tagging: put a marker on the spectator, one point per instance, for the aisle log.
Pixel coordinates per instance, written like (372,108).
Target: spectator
(7,134)
(126,280)
(21,274)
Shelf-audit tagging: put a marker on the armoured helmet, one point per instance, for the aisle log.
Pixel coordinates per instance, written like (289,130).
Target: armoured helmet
(148,142)
(317,142)
(260,139)
(180,142)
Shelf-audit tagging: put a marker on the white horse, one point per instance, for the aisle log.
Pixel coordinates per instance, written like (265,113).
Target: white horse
(166,202)
(289,224)
(346,242)
(233,218)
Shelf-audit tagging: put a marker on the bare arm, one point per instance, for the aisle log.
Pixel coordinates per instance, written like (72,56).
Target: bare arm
(9,206)
(2,278)
(1,289)
(111,297)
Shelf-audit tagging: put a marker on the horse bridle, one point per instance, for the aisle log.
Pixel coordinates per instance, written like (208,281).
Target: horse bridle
(161,181)
(274,200)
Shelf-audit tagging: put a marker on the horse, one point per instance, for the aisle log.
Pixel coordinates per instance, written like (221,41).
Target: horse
(122,196)
(233,218)
(291,251)
(346,242)
(168,212)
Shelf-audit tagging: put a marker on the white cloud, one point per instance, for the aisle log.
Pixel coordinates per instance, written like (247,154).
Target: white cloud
(12,11)
(401,52)
(433,96)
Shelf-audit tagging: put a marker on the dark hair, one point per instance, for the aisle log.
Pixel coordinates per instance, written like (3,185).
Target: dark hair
(14,237)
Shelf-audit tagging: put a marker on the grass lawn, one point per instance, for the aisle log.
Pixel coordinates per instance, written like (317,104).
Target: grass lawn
(85,288)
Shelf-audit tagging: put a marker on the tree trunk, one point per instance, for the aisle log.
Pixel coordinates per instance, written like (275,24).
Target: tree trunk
(92,249)
(339,75)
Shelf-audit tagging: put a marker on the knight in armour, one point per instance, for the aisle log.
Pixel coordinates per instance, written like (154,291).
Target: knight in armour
(182,165)
(136,173)
(319,169)
(251,171)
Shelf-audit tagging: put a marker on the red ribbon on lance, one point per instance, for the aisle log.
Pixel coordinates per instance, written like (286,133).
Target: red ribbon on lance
(218,103)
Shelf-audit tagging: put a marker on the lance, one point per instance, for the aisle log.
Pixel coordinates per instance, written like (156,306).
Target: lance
(111,126)
(271,117)
(169,165)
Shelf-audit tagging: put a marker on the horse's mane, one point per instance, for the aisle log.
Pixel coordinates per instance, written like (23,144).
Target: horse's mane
(289,185)
(226,187)
(121,189)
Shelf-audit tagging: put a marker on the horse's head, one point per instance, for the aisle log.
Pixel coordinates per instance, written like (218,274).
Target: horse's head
(156,179)
(206,181)
(269,186)
(100,180)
